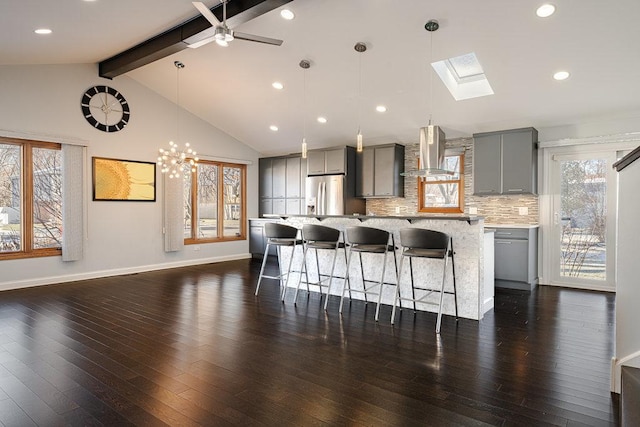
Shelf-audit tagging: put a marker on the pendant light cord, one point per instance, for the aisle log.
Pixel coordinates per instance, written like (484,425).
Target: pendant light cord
(359,90)
(430,76)
(304,105)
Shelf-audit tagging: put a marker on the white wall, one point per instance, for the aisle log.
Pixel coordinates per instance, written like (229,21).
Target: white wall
(122,237)
(628,285)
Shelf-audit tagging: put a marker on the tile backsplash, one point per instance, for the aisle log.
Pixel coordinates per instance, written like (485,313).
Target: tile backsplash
(495,209)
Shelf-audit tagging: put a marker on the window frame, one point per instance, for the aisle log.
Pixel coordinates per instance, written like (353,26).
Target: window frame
(460,181)
(194,239)
(26,200)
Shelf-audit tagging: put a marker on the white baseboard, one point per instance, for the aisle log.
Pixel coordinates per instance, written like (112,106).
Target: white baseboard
(50,280)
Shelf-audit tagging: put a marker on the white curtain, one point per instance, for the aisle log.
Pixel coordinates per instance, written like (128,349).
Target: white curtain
(173,214)
(72,202)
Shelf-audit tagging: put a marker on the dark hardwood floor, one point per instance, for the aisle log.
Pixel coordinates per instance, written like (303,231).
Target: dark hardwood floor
(194,346)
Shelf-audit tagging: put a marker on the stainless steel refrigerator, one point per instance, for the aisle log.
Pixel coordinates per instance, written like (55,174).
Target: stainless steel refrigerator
(332,195)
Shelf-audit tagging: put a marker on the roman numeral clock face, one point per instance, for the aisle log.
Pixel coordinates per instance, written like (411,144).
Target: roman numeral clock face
(105,108)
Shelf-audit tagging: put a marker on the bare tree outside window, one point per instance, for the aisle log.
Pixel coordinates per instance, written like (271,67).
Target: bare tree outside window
(30,198)
(584,210)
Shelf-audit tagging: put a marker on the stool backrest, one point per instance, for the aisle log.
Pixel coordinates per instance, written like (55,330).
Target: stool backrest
(320,233)
(367,236)
(421,238)
(273,230)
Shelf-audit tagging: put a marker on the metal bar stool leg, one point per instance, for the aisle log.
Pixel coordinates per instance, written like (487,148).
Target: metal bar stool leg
(453,268)
(397,299)
(444,278)
(286,282)
(364,283)
(333,268)
(264,262)
(318,272)
(304,268)
(384,266)
(346,274)
(347,284)
(413,289)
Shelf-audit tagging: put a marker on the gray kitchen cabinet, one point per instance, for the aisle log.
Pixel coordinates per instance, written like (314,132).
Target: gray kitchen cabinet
(505,162)
(379,169)
(281,184)
(279,206)
(293,180)
(279,178)
(487,158)
(257,239)
(516,258)
(321,162)
(266,206)
(266,177)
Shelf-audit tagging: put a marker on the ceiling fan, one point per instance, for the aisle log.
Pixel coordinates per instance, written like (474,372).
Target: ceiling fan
(223,34)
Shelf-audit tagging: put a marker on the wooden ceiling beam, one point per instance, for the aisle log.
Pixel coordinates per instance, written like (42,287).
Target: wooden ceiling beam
(174,40)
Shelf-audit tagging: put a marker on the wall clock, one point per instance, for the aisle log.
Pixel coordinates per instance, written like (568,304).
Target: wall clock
(105,108)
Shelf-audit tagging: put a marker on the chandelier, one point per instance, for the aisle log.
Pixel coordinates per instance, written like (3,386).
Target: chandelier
(177,161)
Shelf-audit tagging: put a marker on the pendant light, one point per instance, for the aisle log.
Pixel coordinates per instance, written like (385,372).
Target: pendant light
(177,161)
(305,65)
(432,138)
(360,47)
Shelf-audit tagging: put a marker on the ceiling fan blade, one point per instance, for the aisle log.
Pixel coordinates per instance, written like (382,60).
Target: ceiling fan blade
(206,12)
(254,38)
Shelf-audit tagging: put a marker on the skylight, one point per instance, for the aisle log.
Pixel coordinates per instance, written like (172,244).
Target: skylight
(463,76)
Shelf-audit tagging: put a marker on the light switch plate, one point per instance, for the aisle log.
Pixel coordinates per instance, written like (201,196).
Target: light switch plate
(473,211)
(523,211)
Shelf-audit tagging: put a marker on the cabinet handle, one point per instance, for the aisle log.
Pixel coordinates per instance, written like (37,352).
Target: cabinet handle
(486,191)
(503,242)
(515,189)
(504,233)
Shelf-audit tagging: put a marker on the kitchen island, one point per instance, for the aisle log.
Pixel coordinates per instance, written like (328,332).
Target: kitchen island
(468,237)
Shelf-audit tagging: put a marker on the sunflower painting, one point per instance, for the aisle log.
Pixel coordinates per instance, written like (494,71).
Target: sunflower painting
(121,180)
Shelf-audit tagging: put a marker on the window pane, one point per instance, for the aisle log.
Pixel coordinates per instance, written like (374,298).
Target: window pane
(10,227)
(207,201)
(441,195)
(47,198)
(583,198)
(232,201)
(188,211)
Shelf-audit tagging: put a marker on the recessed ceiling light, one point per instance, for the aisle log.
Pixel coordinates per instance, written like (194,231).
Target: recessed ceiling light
(277,85)
(561,75)
(545,10)
(287,14)
(322,119)
(273,128)
(42,31)
(381,109)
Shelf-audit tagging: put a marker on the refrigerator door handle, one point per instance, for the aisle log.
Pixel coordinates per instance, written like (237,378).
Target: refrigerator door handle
(319,202)
(324,198)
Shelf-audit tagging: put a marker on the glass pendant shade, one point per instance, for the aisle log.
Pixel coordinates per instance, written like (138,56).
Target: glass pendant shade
(359,141)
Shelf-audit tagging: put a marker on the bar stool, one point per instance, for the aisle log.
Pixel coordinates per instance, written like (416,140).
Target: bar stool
(319,237)
(422,243)
(279,235)
(369,240)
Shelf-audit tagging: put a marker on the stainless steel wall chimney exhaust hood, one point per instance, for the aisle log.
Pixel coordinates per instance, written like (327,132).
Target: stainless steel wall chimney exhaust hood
(432,146)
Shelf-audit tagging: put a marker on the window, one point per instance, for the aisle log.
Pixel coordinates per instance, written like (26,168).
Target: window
(443,194)
(30,199)
(215,199)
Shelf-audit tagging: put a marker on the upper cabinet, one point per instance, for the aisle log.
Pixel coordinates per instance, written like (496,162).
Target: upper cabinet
(379,168)
(322,162)
(505,162)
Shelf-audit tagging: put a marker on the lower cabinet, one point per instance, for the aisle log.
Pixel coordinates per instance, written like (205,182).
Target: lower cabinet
(516,257)
(257,239)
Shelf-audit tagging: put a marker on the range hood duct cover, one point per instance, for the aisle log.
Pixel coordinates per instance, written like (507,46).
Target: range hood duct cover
(432,147)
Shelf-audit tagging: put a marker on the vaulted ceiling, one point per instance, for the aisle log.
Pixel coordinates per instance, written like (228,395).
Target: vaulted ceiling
(231,87)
